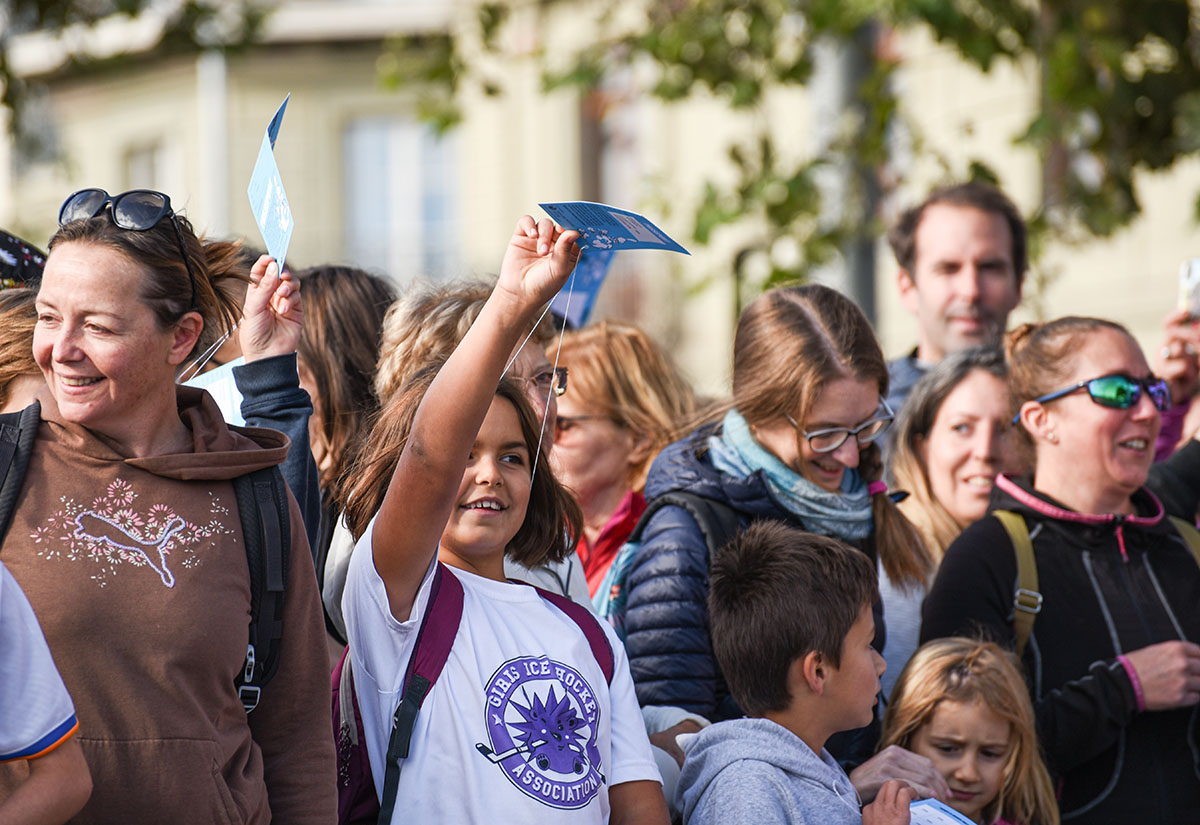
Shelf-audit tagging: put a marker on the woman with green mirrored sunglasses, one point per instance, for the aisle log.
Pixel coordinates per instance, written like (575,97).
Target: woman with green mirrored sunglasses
(1079,568)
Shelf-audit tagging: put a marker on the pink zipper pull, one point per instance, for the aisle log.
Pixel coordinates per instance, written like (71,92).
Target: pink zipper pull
(1121,542)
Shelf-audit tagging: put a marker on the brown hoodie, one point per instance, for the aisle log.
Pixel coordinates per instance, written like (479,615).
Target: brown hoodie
(137,573)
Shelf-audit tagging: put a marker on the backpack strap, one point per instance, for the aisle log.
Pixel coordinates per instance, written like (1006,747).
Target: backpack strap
(17,432)
(589,625)
(434,640)
(718,522)
(1027,601)
(266,530)
(1190,535)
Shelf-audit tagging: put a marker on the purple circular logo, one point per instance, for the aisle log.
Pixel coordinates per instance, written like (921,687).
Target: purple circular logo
(542,719)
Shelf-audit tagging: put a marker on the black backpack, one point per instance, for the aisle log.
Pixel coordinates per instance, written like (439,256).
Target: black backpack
(266,529)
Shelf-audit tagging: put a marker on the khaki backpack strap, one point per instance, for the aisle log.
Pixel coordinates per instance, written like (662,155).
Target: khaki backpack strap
(1027,601)
(1189,534)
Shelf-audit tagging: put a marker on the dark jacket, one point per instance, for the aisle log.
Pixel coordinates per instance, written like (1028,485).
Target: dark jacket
(903,374)
(666,617)
(1176,481)
(272,398)
(1115,764)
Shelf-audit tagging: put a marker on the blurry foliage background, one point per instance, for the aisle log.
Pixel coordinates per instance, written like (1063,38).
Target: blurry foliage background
(1120,91)
(1119,79)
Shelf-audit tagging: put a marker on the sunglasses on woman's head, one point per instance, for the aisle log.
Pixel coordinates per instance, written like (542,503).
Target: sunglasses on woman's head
(136,210)
(1119,392)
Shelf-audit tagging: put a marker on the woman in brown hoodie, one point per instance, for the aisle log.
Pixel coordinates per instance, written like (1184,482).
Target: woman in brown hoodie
(127,538)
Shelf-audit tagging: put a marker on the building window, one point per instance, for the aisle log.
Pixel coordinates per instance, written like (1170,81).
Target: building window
(145,167)
(401,211)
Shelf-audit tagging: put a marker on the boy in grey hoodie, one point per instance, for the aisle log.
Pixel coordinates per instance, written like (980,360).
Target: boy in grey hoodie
(791,625)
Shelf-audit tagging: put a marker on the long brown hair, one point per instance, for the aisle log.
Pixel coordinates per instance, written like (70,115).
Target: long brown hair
(618,371)
(790,343)
(965,670)
(18,317)
(167,287)
(914,424)
(339,346)
(552,518)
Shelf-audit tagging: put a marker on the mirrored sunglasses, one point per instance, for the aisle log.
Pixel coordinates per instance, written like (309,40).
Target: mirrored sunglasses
(1119,392)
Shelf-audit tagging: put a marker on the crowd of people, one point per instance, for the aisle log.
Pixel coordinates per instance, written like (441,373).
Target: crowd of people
(459,564)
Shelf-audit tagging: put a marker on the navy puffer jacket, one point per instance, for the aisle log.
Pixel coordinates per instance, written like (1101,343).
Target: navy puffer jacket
(666,617)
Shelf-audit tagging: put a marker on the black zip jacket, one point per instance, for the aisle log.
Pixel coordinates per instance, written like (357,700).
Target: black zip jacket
(1113,763)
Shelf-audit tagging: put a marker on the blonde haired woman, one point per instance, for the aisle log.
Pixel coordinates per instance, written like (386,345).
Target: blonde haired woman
(625,401)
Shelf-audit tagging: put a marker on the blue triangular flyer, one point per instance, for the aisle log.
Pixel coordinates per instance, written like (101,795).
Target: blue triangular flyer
(268,201)
(273,129)
(607,227)
(574,301)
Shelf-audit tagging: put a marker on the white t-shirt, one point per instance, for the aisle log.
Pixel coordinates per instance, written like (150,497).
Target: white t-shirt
(36,712)
(521,726)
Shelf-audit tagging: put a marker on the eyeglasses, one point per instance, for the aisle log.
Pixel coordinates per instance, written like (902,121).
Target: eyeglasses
(1120,392)
(547,381)
(137,210)
(828,440)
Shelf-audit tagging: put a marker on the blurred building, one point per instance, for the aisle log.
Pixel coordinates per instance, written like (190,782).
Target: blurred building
(369,184)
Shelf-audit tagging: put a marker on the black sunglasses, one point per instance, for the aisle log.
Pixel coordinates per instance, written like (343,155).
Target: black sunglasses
(1120,392)
(137,210)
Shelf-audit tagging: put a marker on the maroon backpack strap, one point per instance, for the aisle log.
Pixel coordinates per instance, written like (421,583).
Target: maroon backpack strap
(590,625)
(434,640)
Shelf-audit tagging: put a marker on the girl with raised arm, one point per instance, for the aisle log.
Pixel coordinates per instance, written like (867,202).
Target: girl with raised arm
(522,720)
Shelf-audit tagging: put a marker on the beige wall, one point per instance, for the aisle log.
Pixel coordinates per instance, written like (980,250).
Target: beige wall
(523,148)
(1131,277)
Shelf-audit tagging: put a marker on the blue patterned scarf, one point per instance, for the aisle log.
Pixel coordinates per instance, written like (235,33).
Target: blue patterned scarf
(845,515)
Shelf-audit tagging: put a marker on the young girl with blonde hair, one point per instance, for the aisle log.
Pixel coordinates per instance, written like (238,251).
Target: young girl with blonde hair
(963,704)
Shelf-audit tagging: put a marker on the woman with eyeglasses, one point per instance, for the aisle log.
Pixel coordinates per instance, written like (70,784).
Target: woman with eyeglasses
(799,445)
(128,542)
(626,401)
(1107,631)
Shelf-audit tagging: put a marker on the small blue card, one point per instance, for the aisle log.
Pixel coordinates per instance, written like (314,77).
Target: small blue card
(575,301)
(604,230)
(933,812)
(268,201)
(607,227)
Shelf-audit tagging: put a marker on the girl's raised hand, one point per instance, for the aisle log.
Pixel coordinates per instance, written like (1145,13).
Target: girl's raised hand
(273,314)
(539,259)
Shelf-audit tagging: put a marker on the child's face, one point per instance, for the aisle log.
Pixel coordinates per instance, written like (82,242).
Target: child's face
(969,744)
(494,491)
(854,684)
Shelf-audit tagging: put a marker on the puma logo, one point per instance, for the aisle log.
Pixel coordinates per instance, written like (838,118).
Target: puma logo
(99,529)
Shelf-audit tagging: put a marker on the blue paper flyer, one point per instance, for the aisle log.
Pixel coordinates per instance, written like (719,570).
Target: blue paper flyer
(268,201)
(933,812)
(604,230)
(607,227)
(575,301)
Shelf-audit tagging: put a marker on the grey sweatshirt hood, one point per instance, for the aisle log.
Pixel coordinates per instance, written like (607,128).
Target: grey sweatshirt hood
(755,771)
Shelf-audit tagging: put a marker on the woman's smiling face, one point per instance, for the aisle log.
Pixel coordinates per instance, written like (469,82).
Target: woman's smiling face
(843,402)
(107,362)
(970,441)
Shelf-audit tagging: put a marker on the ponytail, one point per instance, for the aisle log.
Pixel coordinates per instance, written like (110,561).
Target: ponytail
(901,552)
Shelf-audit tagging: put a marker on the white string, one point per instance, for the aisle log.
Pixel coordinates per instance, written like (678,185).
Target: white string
(194,369)
(557,352)
(562,333)
(517,354)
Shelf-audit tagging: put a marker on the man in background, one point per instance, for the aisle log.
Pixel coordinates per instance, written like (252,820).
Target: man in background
(962,256)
